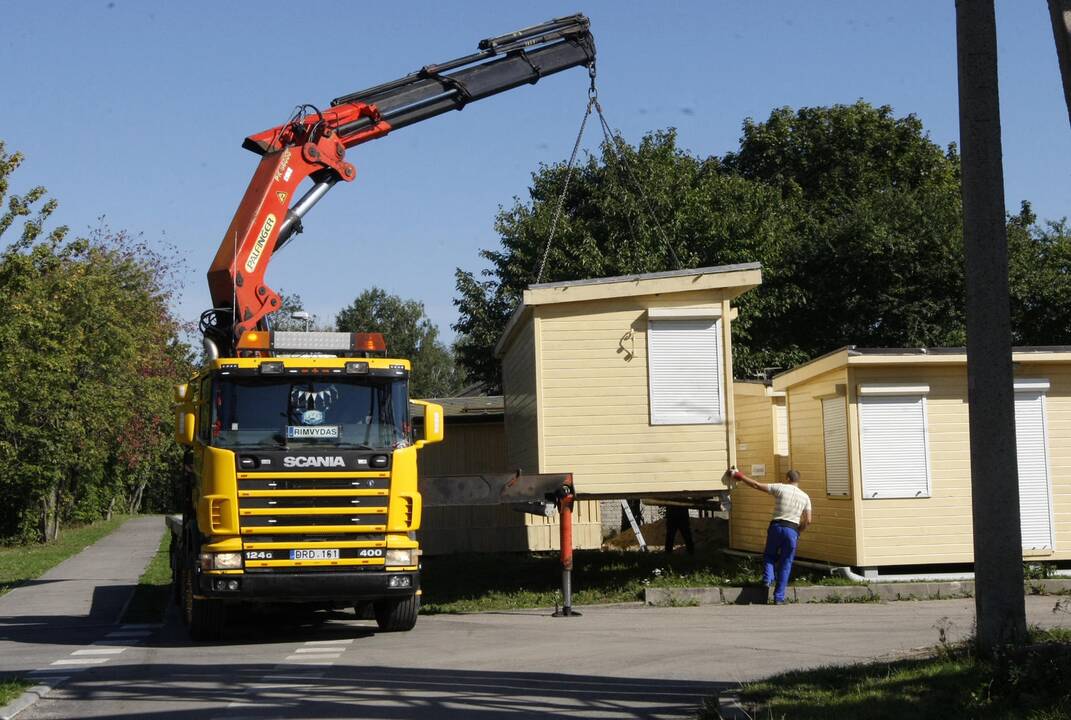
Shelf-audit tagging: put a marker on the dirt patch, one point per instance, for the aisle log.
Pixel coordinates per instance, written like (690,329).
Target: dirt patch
(708,532)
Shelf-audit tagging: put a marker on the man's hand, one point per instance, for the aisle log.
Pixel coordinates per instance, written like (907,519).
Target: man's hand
(763,487)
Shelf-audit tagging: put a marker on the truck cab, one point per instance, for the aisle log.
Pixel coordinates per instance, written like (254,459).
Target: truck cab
(301,482)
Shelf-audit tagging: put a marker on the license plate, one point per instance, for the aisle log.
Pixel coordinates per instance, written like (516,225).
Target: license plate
(314,554)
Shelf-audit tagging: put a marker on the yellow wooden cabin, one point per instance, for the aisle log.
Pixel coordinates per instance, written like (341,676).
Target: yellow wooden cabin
(881,440)
(626,382)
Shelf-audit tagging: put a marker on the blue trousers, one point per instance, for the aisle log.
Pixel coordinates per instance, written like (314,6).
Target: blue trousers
(780,551)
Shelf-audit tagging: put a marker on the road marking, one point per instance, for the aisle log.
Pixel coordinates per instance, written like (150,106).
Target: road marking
(99,651)
(307,660)
(81,661)
(320,651)
(329,642)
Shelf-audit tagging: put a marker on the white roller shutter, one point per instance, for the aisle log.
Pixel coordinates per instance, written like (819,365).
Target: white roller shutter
(684,371)
(835,432)
(893,443)
(780,414)
(1035,495)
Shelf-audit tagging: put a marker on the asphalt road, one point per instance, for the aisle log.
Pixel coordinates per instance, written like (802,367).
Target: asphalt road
(628,662)
(614,662)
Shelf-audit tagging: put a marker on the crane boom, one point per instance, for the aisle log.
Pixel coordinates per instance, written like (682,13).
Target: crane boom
(313,145)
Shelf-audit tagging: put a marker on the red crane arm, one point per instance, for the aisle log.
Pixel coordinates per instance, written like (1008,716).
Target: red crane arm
(314,146)
(291,153)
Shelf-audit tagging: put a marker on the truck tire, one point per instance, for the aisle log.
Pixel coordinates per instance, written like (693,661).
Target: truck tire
(397,614)
(207,619)
(204,618)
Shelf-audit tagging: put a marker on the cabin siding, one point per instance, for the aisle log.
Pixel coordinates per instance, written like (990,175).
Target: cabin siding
(939,529)
(750,514)
(1058,421)
(594,401)
(831,536)
(924,530)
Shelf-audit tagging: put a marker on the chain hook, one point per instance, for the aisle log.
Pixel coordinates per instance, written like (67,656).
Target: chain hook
(593,92)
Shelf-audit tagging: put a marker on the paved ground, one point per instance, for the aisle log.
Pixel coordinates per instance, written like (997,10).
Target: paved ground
(76,602)
(627,662)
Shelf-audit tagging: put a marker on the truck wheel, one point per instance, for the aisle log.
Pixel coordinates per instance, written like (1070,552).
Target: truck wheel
(207,619)
(204,618)
(397,614)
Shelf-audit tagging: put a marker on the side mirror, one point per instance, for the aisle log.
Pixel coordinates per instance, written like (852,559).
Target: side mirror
(433,422)
(185,425)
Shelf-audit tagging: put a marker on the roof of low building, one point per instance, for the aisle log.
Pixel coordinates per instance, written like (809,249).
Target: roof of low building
(853,355)
(738,278)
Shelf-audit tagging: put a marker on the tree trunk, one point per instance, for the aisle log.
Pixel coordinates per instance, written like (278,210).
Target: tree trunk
(50,515)
(135,501)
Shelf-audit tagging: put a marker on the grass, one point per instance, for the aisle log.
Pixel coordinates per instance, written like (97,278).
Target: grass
(1029,683)
(510,581)
(153,592)
(21,563)
(11,689)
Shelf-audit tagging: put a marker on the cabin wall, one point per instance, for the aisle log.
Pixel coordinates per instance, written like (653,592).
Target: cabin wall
(594,401)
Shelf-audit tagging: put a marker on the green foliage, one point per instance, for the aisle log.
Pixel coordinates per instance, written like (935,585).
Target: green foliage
(282,318)
(409,334)
(1039,275)
(89,353)
(854,214)
(1029,682)
(12,688)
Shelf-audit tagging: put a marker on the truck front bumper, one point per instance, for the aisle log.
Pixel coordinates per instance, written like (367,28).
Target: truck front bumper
(310,587)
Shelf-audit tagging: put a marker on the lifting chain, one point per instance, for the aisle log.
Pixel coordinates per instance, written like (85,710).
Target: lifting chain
(611,140)
(593,102)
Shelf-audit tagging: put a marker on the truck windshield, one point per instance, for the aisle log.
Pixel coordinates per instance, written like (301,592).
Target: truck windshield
(361,413)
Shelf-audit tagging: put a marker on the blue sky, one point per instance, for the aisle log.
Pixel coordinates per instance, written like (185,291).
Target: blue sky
(136,111)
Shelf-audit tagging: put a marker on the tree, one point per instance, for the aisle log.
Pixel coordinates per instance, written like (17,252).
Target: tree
(853,213)
(1039,268)
(88,356)
(409,334)
(282,319)
(701,216)
(874,254)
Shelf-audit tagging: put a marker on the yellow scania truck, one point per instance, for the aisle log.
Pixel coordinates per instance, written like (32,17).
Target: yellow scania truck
(301,477)
(302,480)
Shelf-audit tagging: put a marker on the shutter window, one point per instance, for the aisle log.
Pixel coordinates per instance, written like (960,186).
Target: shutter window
(893,443)
(835,432)
(1035,510)
(684,371)
(780,414)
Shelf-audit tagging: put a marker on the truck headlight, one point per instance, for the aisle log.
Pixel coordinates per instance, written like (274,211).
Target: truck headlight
(221,561)
(399,557)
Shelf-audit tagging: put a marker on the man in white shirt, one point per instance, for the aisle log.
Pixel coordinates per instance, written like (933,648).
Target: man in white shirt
(791,516)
